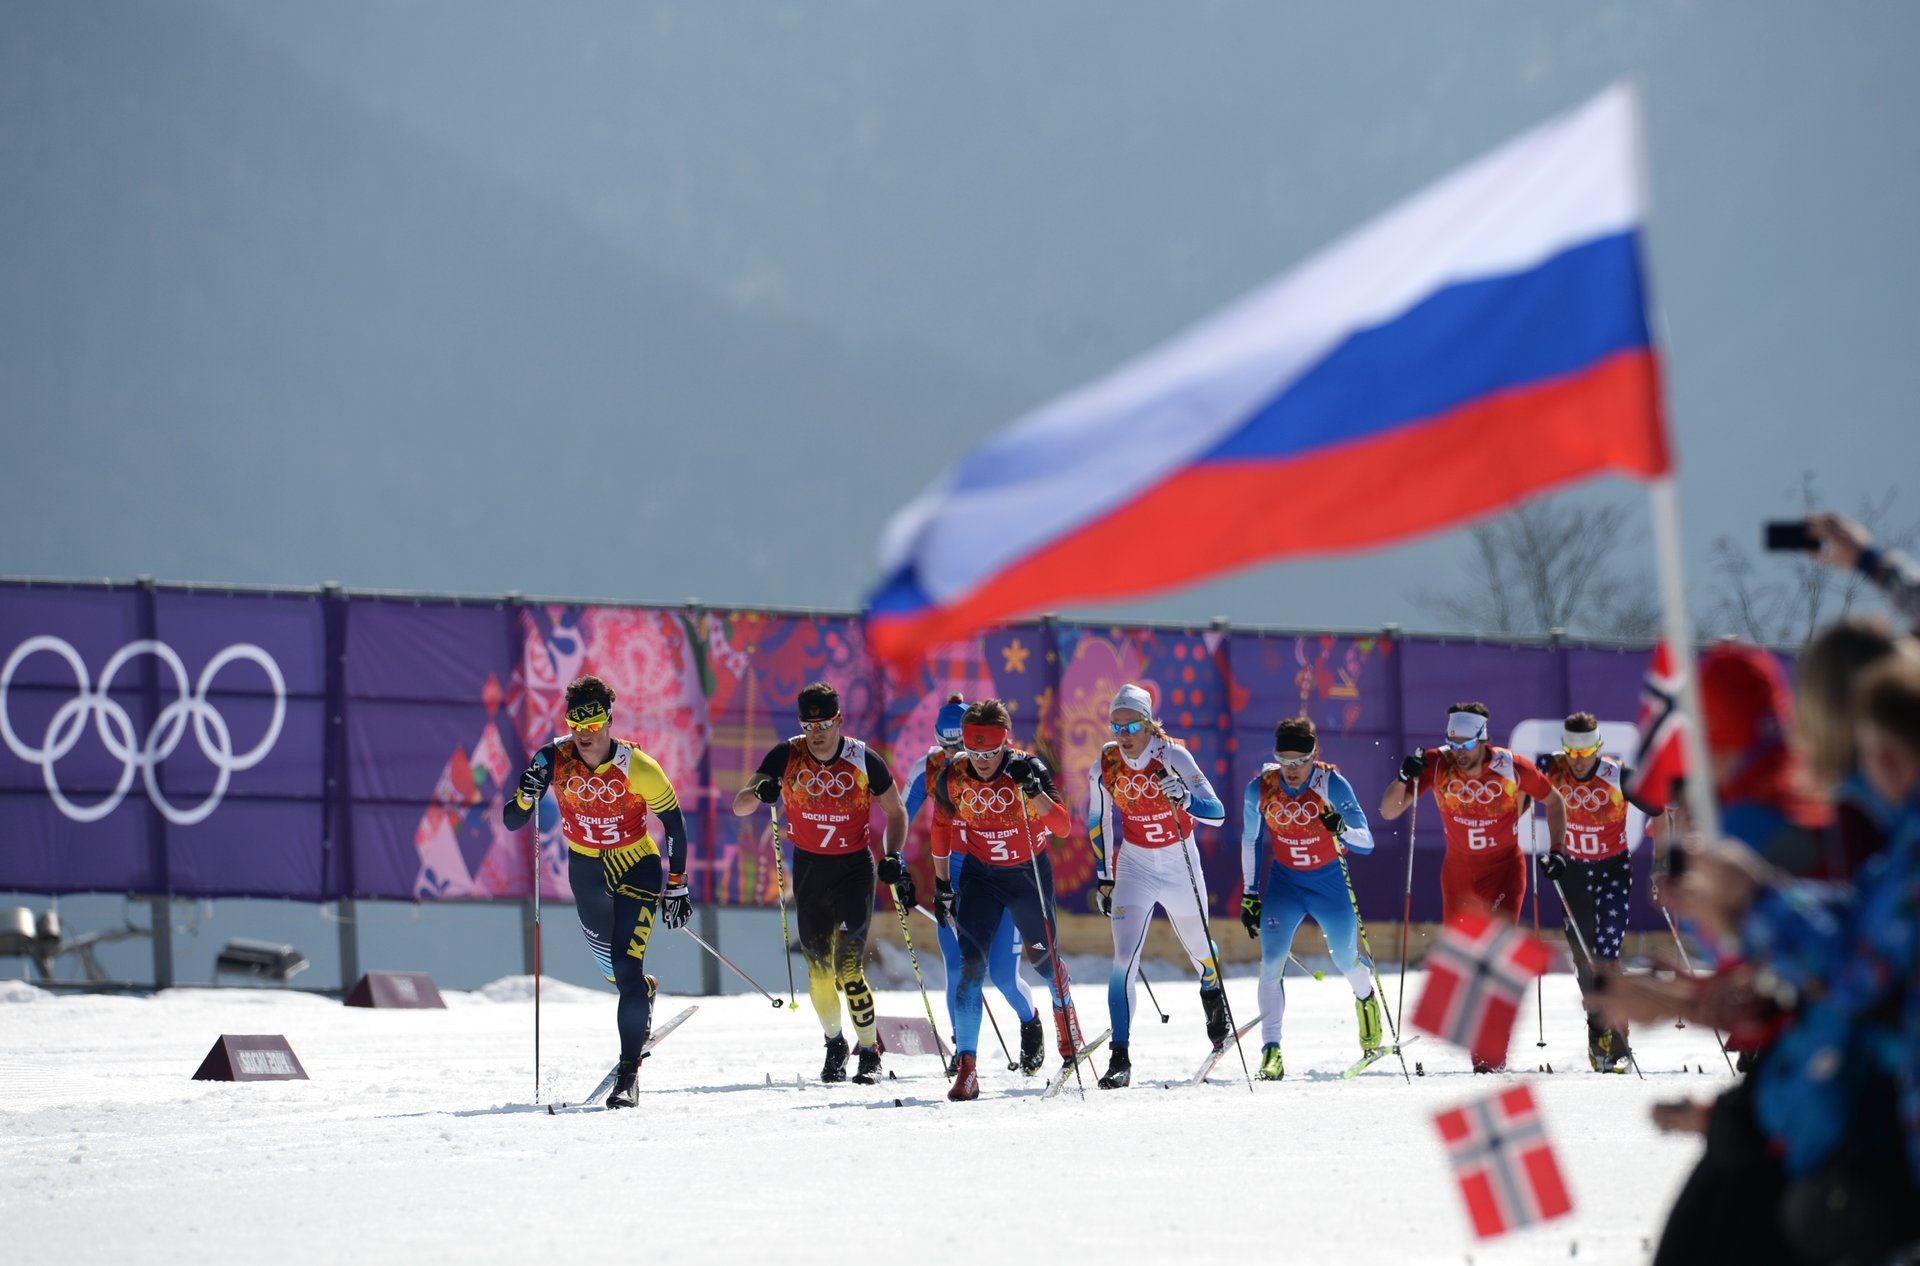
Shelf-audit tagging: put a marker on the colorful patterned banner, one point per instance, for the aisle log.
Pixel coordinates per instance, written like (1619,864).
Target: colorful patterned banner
(317,746)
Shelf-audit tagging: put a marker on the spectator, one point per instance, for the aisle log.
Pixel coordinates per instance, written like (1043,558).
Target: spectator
(1847,545)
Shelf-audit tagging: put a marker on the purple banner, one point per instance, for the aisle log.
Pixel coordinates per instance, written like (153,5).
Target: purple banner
(319,745)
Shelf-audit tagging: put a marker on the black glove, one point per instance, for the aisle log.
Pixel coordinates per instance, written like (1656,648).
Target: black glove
(1175,789)
(1105,897)
(676,906)
(1555,864)
(767,791)
(1250,913)
(1413,766)
(534,783)
(1331,819)
(1027,775)
(942,900)
(894,874)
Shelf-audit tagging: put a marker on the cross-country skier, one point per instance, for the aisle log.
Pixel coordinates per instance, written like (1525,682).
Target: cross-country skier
(604,787)
(997,805)
(830,783)
(1003,957)
(1593,868)
(1145,792)
(1310,814)
(1478,789)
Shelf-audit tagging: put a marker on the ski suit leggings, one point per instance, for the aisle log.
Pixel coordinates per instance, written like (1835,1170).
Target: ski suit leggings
(984,894)
(1144,878)
(1286,897)
(1003,962)
(1596,896)
(618,924)
(1471,884)
(833,904)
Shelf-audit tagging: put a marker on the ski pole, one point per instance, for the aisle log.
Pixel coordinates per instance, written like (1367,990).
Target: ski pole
(780,878)
(1539,987)
(534,821)
(1340,852)
(1315,972)
(1013,1064)
(1686,960)
(1187,850)
(1593,968)
(900,908)
(729,965)
(1406,916)
(1069,1018)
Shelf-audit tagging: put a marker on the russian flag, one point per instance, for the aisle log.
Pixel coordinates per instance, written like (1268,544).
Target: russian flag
(1481,342)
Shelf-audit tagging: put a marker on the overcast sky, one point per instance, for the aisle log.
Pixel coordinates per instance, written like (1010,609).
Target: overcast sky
(452,295)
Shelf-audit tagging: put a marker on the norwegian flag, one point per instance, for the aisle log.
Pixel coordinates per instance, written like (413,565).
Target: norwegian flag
(1500,1154)
(1660,757)
(1477,975)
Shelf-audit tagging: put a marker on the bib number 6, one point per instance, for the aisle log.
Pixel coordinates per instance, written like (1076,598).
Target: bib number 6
(1479,839)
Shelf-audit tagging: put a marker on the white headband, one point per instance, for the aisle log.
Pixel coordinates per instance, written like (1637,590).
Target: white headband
(1466,725)
(1580,738)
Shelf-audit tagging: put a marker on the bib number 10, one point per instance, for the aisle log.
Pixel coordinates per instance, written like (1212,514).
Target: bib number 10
(1584,843)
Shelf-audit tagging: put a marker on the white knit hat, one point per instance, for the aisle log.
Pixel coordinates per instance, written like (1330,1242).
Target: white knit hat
(1132,696)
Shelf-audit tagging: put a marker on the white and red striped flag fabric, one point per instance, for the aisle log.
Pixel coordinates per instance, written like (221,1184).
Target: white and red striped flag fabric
(1503,1162)
(1660,757)
(1477,975)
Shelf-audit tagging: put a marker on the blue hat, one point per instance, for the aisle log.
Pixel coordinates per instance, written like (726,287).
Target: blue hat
(946,726)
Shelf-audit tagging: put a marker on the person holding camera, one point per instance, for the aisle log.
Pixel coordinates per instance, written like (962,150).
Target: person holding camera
(830,783)
(997,805)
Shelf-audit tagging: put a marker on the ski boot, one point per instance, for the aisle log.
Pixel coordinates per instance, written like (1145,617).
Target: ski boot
(1482,1066)
(1032,1038)
(1119,1069)
(1066,1028)
(868,1071)
(624,1094)
(1271,1066)
(835,1069)
(1611,1056)
(966,1080)
(953,1060)
(1214,1003)
(1368,1009)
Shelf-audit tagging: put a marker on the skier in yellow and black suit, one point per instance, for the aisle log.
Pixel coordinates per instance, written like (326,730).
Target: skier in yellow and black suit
(604,787)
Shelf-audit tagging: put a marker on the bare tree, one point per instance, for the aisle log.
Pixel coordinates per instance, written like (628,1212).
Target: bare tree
(1550,565)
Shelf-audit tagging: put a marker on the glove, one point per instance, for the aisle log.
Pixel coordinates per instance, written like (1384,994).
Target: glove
(1175,789)
(1413,766)
(1250,913)
(1331,819)
(676,906)
(1555,864)
(894,874)
(942,900)
(1105,898)
(1025,773)
(767,791)
(534,783)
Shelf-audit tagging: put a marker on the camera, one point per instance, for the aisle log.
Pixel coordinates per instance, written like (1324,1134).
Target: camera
(1791,537)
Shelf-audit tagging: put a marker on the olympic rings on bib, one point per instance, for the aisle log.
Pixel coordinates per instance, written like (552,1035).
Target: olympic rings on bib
(823,785)
(1475,791)
(1587,799)
(1137,786)
(115,726)
(1281,814)
(595,789)
(981,801)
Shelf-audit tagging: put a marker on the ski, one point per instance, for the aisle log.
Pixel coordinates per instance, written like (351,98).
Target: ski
(1375,1055)
(1059,1081)
(599,1092)
(1213,1057)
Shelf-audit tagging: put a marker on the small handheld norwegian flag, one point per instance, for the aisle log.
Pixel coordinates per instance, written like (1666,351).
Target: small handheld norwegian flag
(1501,1157)
(1477,974)
(1660,758)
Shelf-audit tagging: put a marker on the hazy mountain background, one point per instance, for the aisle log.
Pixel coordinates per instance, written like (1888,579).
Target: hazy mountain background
(452,295)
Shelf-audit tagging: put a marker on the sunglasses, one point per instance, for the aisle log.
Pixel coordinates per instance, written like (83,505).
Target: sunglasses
(984,753)
(1580,753)
(1463,745)
(1292,762)
(1127,727)
(820,727)
(589,727)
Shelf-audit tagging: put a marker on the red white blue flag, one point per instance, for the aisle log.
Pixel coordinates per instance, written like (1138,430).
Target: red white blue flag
(1660,758)
(1505,1166)
(1482,342)
(1477,974)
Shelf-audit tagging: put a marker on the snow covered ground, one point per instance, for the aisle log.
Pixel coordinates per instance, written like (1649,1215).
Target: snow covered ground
(417,1140)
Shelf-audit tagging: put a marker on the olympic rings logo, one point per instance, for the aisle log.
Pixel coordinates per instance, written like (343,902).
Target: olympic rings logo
(115,726)
(1587,799)
(980,801)
(813,782)
(1132,786)
(1295,813)
(1475,791)
(596,789)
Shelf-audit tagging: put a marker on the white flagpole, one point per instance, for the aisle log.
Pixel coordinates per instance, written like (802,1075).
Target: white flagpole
(1664,499)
